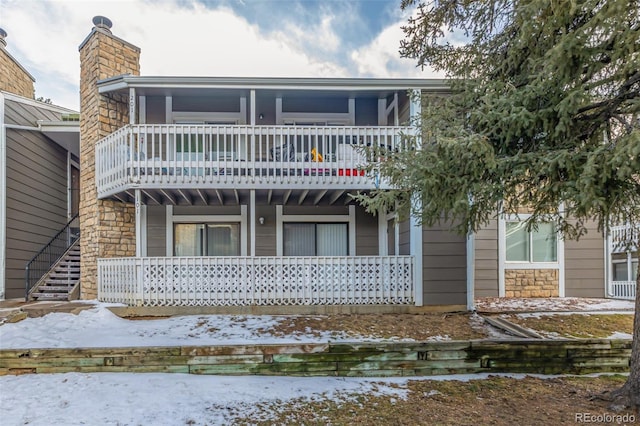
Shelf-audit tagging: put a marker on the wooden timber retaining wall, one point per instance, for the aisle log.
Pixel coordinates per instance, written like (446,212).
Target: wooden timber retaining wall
(335,359)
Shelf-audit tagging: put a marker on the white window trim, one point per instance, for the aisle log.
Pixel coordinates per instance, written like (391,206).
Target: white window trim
(350,219)
(503,264)
(214,218)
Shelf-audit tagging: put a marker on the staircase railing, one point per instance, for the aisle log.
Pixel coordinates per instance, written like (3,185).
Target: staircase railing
(42,262)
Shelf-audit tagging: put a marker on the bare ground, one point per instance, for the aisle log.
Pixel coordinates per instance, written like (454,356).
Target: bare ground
(491,401)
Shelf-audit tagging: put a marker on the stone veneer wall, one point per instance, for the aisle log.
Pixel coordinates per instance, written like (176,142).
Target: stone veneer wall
(107,227)
(13,78)
(531,283)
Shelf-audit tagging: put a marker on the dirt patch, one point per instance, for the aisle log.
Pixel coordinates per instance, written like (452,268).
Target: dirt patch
(494,401)
(576,325)
(456,326)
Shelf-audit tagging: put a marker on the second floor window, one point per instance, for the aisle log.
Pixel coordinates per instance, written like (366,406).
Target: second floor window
(534,246)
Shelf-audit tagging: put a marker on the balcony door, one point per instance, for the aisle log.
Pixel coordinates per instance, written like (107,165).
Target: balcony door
(206,239)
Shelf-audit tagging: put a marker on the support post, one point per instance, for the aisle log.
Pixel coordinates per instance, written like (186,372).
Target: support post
(252,214)
(138,201)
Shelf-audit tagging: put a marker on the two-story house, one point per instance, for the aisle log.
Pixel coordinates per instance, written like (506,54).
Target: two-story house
(220,191)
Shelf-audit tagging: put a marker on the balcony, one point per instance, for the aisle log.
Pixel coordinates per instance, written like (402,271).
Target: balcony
(256,281)
(623,238)
(169,156)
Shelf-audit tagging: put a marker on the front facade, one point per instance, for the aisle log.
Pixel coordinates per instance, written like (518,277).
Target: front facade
(203,191)
(39,172)
(234,191)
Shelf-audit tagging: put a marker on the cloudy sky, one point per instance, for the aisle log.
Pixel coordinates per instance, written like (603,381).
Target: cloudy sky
(283,38)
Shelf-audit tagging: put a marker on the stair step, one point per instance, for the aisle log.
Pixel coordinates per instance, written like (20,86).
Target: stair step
(60,282)
(50,296)
(55,288)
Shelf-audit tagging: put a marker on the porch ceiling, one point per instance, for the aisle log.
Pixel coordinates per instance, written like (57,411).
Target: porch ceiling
(204,197)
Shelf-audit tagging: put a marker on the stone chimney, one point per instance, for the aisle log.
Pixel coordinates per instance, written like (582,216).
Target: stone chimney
(13,77)
(107,227)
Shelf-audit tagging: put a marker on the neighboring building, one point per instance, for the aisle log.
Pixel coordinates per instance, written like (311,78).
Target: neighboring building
(39,180)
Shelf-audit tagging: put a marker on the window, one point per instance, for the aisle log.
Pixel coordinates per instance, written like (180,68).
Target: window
(206,239)
(539,245)
(621,273)
(315,239)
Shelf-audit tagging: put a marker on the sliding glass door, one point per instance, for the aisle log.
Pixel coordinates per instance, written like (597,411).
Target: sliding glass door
(206,239)
(316,239)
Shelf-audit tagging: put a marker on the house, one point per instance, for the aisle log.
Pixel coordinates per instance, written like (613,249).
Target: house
(230,191)
(39,188)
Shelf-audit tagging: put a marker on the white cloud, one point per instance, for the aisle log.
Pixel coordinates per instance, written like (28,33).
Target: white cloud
(179,38)
(381,57)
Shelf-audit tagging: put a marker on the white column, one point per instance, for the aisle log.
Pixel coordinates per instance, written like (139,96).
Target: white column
(169,230)
(415,249)
(138,205)
(415,245)
(243,229)
(132,105)
(471,271)
(252,220)
(383,243)
(352,230)
(279,236)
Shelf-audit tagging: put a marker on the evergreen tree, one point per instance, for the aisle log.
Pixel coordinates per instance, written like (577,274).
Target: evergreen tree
(543,112)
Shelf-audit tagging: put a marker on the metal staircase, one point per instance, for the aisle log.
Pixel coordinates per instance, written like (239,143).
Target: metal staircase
(54,273)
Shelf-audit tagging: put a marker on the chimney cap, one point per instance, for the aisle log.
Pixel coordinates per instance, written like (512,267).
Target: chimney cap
(102,22)
(3,34)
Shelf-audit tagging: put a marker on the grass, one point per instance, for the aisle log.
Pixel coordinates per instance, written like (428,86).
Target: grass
(491,401)
(577,325)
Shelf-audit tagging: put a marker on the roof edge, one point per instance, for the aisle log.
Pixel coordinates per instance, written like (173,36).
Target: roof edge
(38,104)
(128,80)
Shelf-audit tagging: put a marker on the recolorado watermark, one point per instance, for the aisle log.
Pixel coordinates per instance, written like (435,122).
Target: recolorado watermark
(619,419)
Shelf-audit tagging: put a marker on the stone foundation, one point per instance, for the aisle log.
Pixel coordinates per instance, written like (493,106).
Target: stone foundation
(531,283)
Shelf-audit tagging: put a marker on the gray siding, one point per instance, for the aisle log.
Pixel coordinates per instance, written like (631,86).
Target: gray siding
(486,261)
(584,265)
(444,266)
(266,234)
(36,200)
(156,230)
(366,233)
(405,238)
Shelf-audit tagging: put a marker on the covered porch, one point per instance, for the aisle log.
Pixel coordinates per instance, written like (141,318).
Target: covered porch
(291,247)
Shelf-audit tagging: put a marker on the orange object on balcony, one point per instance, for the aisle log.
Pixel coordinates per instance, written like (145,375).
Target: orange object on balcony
(350,172)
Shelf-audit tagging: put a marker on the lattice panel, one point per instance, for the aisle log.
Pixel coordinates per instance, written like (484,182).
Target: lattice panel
(245,281)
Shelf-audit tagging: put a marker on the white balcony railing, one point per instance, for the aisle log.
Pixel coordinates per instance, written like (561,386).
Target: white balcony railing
(623,238)
(244,281)
(622,290)
(176,155)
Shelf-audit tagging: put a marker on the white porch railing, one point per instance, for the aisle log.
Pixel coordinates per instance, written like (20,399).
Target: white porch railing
(623,238)
(177,155)
(243,281)
(623,289)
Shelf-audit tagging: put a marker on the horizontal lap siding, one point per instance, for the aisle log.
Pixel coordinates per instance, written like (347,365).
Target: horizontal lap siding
(585,265)
(36,199)
(366,233)
(156,230)
(266,234)
(444,266)
(486,261)
(404,232)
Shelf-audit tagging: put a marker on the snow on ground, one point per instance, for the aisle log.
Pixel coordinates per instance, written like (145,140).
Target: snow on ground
(99,327)
(553,304)
(172,399)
